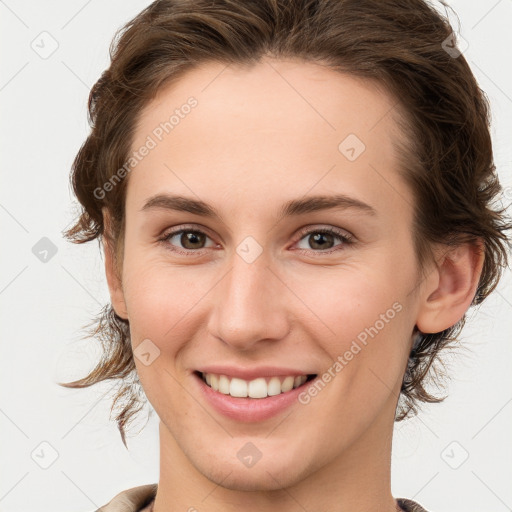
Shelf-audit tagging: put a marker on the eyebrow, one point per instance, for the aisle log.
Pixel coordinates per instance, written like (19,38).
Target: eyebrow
(291,208)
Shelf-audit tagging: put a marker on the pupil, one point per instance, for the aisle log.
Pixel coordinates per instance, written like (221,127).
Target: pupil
(318,236)
(190,238)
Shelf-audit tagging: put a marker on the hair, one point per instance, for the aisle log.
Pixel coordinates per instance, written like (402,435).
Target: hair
(397,44)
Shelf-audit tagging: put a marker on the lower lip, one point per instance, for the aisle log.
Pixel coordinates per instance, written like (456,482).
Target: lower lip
(250,410)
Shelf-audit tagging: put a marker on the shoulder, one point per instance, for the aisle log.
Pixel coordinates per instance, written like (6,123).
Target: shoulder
(134,499)
(410,506)
(131,500)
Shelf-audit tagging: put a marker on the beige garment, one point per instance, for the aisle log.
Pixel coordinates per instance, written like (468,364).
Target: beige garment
(140,499)
(136,499)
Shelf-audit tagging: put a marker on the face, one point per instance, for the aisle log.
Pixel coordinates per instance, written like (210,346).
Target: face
(264,282)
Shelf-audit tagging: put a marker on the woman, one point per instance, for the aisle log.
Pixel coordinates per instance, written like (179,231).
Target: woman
(294,199)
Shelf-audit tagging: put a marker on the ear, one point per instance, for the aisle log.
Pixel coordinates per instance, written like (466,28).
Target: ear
(450,287)
(112,272)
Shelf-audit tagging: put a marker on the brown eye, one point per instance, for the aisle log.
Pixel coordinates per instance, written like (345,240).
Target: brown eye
(186,241)
(321,241)
(192,239)
(324,240)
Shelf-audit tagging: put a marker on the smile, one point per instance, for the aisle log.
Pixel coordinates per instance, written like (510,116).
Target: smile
(250,394)
(261,387)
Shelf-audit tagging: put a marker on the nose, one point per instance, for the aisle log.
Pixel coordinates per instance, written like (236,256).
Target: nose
(250,304)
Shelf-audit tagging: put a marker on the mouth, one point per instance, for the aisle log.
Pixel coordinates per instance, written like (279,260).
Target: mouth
(258,388)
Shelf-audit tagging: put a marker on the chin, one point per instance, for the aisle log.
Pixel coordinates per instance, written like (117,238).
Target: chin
(264,475)
(250,480)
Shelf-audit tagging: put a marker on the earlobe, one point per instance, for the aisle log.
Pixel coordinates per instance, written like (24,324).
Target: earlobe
(450,287)
(112,274)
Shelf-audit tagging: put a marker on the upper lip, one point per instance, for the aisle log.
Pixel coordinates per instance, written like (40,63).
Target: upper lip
(251,373)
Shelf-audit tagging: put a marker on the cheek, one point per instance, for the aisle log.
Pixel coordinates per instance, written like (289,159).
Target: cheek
(341,304)
(369,323)
(363,318)
(159,297)
(160,303)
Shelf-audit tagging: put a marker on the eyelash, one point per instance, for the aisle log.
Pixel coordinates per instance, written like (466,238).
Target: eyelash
(345,238)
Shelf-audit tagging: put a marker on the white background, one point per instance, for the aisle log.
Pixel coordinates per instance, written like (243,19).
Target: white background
(44,305)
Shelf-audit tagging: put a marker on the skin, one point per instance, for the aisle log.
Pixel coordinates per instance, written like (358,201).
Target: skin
(259,137)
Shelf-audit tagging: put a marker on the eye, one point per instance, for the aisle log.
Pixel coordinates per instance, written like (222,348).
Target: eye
(190,240)
(322,240)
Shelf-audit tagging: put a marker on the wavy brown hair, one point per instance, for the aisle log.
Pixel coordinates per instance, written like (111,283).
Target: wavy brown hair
(400,45)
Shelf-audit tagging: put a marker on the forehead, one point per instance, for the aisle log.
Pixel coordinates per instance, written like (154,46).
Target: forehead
(276,123)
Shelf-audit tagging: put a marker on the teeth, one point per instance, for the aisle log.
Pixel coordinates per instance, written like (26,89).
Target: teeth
(274,387)
(257,388)
(224,385)
(287,384)
(238,387)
